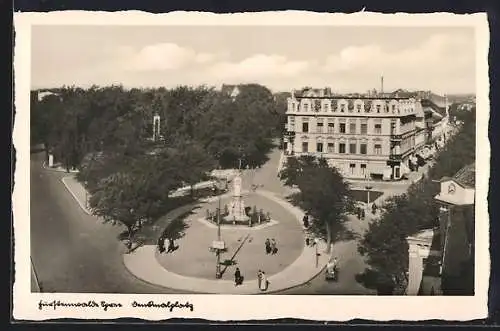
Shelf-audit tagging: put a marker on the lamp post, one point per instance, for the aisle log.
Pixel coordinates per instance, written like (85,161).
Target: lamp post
(218,249)
(316,255)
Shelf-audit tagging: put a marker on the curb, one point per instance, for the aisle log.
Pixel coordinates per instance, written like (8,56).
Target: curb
(84,208)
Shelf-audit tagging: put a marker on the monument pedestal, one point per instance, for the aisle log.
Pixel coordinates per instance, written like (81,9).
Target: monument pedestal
(237,213)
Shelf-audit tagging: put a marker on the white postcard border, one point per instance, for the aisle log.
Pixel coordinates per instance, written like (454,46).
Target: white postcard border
(233,307)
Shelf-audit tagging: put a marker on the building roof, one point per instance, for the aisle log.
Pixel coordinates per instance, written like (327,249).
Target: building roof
(429,106)
(400,93)
(466,176)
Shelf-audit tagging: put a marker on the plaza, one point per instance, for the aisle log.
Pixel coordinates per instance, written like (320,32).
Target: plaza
(245,245)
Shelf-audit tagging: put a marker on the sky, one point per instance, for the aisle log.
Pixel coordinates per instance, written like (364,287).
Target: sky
(347,59)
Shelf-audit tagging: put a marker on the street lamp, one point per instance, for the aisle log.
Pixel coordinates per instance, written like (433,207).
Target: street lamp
(217,247)
(316,255)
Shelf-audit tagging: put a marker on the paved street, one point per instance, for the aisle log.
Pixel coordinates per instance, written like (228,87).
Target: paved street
(72,251)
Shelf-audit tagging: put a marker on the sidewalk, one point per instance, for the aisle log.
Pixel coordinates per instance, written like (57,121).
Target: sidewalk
(77,191)
(143,264)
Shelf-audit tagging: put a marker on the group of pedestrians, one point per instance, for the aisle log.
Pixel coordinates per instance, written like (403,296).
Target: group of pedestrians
(262,280)
(161,244)
(271,246)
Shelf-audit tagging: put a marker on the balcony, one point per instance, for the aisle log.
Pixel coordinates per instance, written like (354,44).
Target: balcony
(396,137)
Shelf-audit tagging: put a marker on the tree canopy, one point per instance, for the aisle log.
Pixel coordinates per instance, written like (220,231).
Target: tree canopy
(106,132)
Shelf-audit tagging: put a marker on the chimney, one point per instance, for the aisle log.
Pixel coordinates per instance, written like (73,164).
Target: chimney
(382,84)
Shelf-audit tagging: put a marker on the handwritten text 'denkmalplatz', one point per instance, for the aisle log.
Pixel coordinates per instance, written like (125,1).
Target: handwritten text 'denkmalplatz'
(164,305)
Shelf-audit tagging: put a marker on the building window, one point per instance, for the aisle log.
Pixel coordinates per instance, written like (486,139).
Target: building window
(352,128)
(393,108)
(331,127)
(305,147)
(362,148)
(363,170)
(352,148)
(331,148)
(319,126)
(378,128)
(393,127)
(358,108)
(378,149)
(342,148)
(305,127)
(364,128)
(319,147)
(378,108)
(352,168)
(327,107)
(342,127)
(342,108)
(306,107)
(317,105)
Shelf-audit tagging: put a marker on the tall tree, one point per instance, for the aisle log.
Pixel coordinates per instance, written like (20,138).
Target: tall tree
(118,199)
(324,194)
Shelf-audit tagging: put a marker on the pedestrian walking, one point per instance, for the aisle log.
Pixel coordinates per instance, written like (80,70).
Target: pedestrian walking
(161,245)
(171,245)
(263,281)
(374,209)
(305,220)
(259,278)
(363,214)
(274,249)
(268,246)
(237,277)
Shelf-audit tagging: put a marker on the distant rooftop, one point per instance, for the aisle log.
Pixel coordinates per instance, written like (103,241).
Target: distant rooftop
(466,176)
(326,92)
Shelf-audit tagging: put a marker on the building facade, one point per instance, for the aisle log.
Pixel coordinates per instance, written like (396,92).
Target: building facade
(363,136)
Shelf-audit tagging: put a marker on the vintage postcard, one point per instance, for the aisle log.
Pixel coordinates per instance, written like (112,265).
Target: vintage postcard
(251,166)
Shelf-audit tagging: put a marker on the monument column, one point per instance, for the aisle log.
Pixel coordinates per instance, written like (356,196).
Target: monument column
(156,127)
(237,211)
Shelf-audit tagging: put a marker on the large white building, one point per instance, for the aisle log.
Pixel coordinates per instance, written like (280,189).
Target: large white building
(363,136)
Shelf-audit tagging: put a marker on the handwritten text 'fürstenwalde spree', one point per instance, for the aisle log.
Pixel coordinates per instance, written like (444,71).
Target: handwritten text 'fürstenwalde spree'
(169,305)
